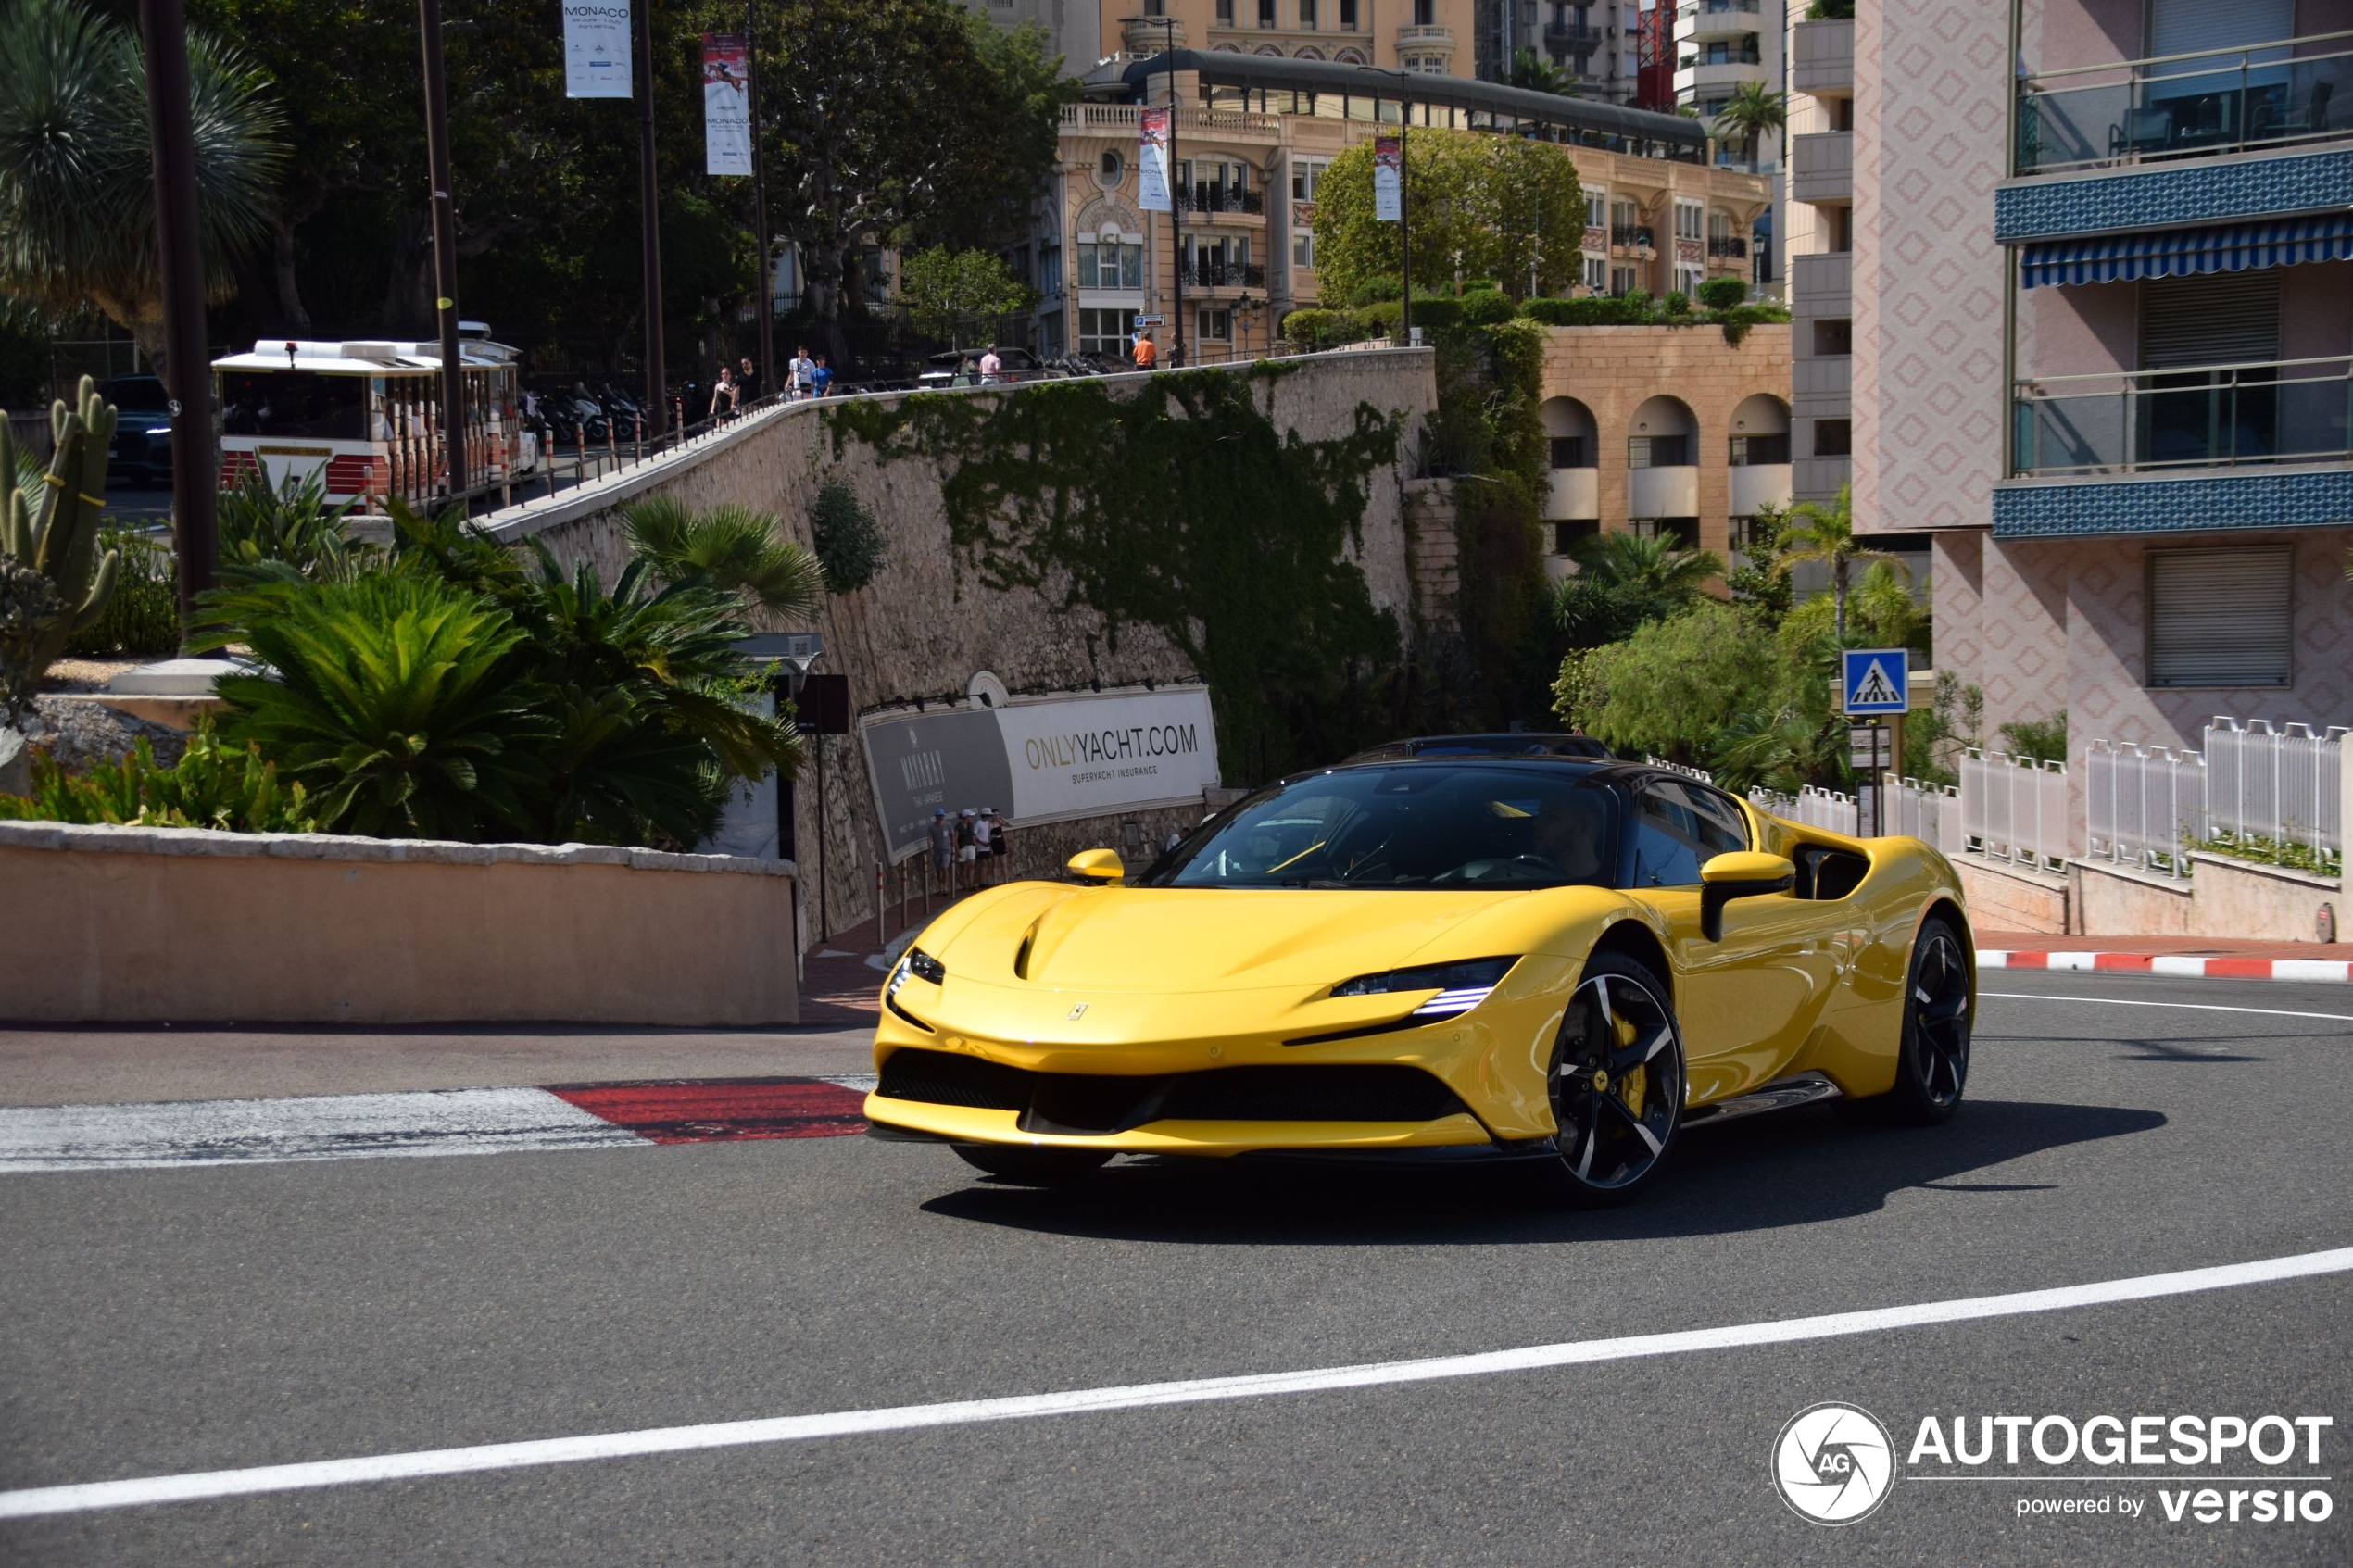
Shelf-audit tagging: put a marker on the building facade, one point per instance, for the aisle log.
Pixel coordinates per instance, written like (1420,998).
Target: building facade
(2102,307)
(1253,137)
(1433,37)
(1720,47)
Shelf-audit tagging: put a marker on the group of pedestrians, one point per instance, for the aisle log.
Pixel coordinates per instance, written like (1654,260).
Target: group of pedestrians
(976,838)
(808,375)
(737,389)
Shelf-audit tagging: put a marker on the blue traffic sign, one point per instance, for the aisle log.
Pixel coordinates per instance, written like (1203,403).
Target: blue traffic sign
(1876,680)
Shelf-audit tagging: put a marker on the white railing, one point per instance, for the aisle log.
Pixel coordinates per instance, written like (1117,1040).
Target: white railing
(2143,806)
(2274,787)
(2015,810)
(1812,808)
(1930,813)
(1701,774)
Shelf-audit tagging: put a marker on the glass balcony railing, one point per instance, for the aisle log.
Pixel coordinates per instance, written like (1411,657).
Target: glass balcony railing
(2208,415)
(2186,106)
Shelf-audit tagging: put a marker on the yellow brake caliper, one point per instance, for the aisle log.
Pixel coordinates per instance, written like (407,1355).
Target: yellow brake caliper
(1635,1079)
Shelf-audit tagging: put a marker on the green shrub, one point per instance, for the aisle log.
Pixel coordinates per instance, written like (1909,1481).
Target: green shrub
(741,551)
(143,617)
(1378,319)
(1677,302)
(290,524)
(1723,294)
(2036,740)
(1432,314)
(1599,311)
(1374,291)
(212,787)
(1485,308)
(1314,328)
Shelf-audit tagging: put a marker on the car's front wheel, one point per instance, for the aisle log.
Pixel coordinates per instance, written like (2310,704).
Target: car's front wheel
(1615,1084)
(1038,1167)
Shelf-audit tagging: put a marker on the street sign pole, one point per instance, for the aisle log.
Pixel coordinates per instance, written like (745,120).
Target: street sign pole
(1176,203)
(760,201)
(444,251)
(656,416)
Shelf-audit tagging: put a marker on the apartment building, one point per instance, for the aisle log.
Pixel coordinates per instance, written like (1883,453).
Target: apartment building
(1253,135)
(1817,229)
(1721,45)
(1595,42)
(2102,260)
(1433,37)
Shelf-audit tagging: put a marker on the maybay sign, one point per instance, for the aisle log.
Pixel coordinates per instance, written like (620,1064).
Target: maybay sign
(1041,760)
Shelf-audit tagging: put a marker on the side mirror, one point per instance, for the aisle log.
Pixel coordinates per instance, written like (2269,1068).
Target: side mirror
(1104,866)
(1742,874)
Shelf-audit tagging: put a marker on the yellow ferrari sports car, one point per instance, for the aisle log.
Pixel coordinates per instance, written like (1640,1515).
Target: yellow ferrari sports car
(1557,961)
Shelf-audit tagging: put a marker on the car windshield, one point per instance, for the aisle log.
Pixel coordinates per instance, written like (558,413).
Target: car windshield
(1418,824)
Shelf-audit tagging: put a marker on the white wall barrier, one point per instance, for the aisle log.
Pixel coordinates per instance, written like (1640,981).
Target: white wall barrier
(2015,810)
(2277,787)
(2143,806)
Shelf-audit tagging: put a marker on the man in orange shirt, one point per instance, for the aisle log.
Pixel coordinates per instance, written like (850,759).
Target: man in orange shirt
(1147,354)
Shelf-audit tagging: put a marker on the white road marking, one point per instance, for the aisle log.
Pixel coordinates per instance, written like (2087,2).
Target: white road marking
(2194,1006)
(92,1495)
(236,1132)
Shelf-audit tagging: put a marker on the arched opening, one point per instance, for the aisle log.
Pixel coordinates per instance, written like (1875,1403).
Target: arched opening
(1572,496)
(1662,485)
(1757,449)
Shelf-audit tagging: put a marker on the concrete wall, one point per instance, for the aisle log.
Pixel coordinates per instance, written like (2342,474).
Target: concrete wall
(121,925)
(923,626)
(2222,900)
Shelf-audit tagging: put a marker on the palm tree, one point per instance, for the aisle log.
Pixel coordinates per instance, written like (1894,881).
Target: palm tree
(1537,74)
(1653,567)
(730,548)
(1816,532)
(1751,113)
(77,204)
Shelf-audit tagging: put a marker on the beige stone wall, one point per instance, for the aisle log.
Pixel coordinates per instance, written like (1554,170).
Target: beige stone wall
(925,626)
(1613,370)
(146,924)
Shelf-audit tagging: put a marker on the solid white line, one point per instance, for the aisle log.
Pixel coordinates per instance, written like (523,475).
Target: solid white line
(2148,1480)
(238,1132)
(91,1496)
(2194,1006)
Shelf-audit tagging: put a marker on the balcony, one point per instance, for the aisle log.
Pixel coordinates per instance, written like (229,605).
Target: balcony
(1574,495)
(1722,54)
(1731,247)
(1425,42)
(1710,19)
(1664,492)
(1821,166)
(2212,416)
(1631,236)
(1208,198)
(1215,272)
(1821,58)
(2186,106)
(1758,487)
(1581,40)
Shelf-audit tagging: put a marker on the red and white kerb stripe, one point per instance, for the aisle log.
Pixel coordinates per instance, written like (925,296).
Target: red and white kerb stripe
(2177,965)
(412,1124)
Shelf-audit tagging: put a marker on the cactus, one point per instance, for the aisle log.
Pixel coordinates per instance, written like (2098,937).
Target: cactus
(57,535)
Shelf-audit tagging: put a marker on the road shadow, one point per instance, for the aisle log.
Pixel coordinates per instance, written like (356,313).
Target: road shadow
(1797,1168)
(2180,1048)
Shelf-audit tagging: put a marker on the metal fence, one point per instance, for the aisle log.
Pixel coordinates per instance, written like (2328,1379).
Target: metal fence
(1930,813)
(2274,788)
(1811,807)
(2015,810)
(2143,806)
(1701,774)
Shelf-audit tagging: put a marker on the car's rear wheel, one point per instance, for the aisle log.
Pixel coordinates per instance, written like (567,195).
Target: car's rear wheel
(1038,1167)
(1931,1065)
(1615,1084)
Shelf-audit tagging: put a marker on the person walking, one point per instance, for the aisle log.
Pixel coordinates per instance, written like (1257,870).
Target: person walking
(942,833)
(722,395)
(993,369)
(984,849)
(821,378)
(1146,353)
(747,384)
(1001,844)
(804,373)
(967,847)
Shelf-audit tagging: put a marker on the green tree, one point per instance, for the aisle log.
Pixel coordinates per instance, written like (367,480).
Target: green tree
(1816,532)
(731,548)
(1480,206)
(952,293)
(1751,112)
(1675,686)
(77,202)
(1537,74)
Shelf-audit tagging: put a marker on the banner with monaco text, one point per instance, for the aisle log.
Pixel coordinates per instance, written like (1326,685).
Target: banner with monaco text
(597,49)
(1152,170)
(1389,182)
(726,104)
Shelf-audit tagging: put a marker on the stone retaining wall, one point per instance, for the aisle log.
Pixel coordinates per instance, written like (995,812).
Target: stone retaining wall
(124,924)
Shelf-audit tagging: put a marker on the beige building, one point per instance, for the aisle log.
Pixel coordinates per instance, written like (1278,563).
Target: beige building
(1664,430)
(1253,137)
(1419,35)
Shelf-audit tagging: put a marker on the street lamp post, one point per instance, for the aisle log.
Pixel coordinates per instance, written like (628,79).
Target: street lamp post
(655,417)
(163,27)
(445,249)
(1176,202)
(760,199)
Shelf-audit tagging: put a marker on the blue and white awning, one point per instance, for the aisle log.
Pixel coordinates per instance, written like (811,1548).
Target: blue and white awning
(2179,253)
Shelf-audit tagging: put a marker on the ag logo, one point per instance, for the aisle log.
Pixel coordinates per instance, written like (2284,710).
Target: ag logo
(1833,1464)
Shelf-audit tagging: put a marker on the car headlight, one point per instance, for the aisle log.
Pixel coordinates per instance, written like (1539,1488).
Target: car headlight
(920,964)
(1460,987)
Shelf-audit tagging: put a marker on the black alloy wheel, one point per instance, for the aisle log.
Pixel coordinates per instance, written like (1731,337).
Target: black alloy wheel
(1933,1062)
(1033,1165)
(1615,1084)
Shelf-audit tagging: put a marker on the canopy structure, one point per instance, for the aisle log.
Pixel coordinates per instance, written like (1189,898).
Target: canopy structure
(2179,253)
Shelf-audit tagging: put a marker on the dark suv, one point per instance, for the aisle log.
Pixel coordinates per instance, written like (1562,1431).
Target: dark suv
(142,449)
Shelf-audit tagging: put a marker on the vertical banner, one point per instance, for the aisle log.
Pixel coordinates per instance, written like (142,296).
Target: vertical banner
(1389,167)
(726,105)
(597,49)
(1152,170)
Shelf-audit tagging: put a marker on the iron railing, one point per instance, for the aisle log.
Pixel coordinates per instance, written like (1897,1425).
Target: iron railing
(2185,105)
(2195,415)
(2143,806)
(1634,235)
(1211,272)
(1202,197)
(1727,244)
(2014,809)
(2270,790)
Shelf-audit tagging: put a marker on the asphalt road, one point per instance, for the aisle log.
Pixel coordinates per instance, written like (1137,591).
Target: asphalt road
(164,1321)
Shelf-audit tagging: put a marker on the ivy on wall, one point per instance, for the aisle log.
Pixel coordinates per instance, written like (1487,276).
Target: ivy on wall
(1183,508)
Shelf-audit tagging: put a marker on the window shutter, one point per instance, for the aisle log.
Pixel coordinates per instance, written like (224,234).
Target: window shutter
(2219,319)
(2221,617)
(2184,27)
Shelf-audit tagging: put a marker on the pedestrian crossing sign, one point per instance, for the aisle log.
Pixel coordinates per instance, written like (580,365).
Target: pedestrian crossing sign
(1876,680)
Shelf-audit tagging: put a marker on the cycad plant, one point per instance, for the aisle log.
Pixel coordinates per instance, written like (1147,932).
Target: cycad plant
(398,701)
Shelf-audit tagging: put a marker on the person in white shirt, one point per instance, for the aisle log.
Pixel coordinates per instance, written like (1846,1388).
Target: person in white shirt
(804,373)
(993,369)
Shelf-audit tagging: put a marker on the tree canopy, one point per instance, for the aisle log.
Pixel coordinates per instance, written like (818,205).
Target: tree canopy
(1480,206)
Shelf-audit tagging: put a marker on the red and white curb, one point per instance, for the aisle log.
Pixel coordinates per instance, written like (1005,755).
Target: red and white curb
(2180,967)
(420,1123)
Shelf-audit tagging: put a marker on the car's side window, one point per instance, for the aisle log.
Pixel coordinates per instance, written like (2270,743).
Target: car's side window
(1669,841)
(1722,827)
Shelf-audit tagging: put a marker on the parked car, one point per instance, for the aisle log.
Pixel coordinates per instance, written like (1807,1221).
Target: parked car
(141,450)
(961,367)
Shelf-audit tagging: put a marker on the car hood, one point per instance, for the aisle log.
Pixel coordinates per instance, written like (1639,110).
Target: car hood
(1221,939)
